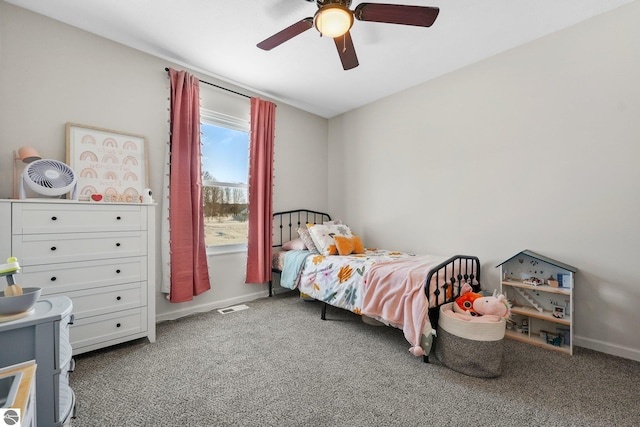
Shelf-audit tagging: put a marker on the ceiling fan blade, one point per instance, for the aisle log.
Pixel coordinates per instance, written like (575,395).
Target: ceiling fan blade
(287,34)
(347,51)
(421,16)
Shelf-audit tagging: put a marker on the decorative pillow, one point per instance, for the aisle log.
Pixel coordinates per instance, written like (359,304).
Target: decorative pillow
(322,235)
(347,246)
(308,241)
(294,245)
(333,222)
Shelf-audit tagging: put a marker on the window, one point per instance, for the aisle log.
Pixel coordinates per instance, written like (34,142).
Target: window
(225,167)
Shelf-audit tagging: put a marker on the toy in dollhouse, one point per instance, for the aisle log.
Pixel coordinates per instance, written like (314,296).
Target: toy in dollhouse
(551,338)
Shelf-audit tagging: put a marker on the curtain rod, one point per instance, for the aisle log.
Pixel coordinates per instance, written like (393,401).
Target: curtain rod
(219,87)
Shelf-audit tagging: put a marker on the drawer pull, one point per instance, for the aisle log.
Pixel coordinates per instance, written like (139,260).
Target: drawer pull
(54,278)
(118,244)
(118,271)
(72,318)
(118,218)
(53,218)
(118,298)
(117,325)
(53,248)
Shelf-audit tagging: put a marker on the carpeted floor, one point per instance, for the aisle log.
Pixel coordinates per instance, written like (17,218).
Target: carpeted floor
(279,364)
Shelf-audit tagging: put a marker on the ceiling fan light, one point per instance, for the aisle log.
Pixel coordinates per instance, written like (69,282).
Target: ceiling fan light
(333,20)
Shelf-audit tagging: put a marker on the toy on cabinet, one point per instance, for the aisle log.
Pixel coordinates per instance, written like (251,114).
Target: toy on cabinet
(15,301)
(540,290)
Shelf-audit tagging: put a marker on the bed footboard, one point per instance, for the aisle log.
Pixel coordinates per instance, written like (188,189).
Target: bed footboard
(285,228)
(448,278)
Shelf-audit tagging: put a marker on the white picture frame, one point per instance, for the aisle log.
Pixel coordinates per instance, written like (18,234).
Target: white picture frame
(109,165)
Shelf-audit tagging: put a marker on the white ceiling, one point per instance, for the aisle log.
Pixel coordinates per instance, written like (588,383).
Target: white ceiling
(219,38)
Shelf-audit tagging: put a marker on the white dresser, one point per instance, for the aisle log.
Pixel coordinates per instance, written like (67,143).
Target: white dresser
(101,255)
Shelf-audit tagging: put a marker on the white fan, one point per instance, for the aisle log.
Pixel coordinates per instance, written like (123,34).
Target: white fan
(49,178)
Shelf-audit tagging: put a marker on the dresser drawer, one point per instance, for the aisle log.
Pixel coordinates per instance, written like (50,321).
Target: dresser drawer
(73,276)
(35,218)
(35,249)
(98,329)
(97,301)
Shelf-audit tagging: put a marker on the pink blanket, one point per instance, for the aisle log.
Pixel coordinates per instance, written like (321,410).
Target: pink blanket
(394,292)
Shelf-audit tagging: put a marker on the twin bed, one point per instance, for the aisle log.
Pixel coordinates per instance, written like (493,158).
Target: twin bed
(325,261)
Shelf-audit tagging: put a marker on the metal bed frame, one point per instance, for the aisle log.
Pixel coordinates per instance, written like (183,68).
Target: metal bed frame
(285,226)
(286,223)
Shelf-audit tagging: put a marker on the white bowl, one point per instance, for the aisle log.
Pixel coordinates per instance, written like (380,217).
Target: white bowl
(20,303)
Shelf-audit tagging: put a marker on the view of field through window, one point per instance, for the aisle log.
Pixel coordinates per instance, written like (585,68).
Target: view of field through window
(225,167)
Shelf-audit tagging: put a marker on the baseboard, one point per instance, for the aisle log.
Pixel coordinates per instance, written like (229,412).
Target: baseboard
(209,306)
(605,347)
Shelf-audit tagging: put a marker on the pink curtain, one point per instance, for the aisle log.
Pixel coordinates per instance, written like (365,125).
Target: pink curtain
(189,270)
(263,116)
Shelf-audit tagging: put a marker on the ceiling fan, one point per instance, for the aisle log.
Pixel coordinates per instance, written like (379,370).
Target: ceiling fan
(334,19)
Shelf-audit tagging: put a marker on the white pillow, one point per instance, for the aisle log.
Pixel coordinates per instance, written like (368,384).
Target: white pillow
(322,236)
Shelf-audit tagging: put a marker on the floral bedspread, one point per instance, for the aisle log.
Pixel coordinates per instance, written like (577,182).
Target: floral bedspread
(338,280)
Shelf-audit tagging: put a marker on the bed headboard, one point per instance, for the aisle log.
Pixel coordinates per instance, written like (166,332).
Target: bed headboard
(286,223)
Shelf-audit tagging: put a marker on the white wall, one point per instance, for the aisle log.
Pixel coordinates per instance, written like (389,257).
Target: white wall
(536,148)
(52,73)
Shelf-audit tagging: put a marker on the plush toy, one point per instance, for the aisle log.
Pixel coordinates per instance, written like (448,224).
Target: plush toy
(475,307)
(464,303)
(495,305)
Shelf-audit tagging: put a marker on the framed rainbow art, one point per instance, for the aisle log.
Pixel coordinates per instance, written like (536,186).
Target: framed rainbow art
(109,165)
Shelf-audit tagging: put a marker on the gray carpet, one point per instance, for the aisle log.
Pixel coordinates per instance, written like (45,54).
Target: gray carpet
(278,364)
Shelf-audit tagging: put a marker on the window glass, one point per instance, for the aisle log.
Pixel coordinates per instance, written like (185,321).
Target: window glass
(225,167)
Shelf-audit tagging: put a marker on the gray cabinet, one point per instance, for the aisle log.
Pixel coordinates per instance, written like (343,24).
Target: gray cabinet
(44,337)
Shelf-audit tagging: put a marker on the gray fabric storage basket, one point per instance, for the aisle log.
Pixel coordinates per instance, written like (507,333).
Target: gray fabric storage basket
(472,348)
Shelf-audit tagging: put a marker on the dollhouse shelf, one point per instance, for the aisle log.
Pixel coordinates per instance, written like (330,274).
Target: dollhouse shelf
(543,314)
(541,288)
(537,340)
